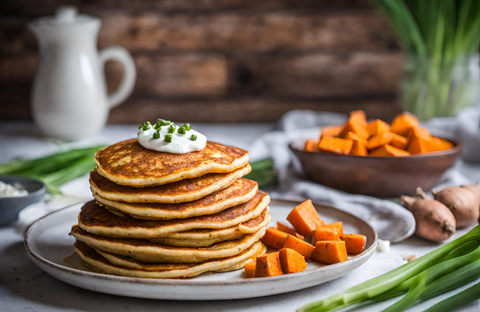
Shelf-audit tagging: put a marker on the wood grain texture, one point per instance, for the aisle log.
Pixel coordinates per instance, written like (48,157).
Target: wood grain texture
(301,75)
(249,109)
(14,104)
(229,32)
(47,7)
(252,32)
(317,74)
(223,60)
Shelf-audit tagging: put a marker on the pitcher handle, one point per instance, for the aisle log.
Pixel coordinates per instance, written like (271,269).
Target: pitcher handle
(120,54)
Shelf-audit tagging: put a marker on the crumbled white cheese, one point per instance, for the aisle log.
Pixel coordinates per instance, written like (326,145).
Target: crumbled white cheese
(15,190)
(383,245)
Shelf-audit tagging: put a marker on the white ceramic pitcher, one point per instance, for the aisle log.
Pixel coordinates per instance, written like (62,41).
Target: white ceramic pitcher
(69,96)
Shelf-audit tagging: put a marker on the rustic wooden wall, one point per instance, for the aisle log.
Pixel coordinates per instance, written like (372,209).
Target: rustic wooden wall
(224,60)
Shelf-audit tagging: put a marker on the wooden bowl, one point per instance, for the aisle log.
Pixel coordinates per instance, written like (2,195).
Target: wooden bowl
(383,177)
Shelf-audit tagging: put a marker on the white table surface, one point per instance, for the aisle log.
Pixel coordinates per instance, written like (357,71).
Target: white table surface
(23,286)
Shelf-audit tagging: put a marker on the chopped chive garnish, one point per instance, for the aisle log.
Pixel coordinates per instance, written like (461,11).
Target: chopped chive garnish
(146,126)
(156,135)
(167,138)
(171,129)
(181,130)
(187,126)
(193,137)
(162,122)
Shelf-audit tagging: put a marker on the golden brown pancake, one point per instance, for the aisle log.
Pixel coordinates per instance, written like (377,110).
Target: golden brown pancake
(177,192)
(145,251)
(241,191)
(250,226)
(98,220)
(103,262)
(129,163)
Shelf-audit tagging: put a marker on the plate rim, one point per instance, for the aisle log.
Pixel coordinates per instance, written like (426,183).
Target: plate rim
(367,253)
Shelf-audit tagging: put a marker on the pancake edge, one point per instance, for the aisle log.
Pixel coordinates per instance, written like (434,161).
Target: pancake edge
(171,254)
(174,177)
(146,233)
(159,214)
(182,198)
(109,268)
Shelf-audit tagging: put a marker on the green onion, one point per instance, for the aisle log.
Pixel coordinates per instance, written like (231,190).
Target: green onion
(163,122)
(442,269)
(262,172)
(181,130)
(56,169)
(167,138)
(441,35)
(146,126)
(458,300)
(156,135)
(193,137)
(46,164)
(187,126)
(171,129)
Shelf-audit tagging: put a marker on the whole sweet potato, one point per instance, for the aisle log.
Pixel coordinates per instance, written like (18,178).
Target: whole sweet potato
(463,202)
(435,222)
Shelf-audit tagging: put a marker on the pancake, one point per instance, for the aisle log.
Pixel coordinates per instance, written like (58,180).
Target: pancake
(177,192)
(144,251)
(239,265)
(241,191)
(97,220)
(251,226)
(97,261)
(129,163)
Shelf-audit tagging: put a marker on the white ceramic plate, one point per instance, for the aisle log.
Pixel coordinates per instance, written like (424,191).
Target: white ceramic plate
(48,243)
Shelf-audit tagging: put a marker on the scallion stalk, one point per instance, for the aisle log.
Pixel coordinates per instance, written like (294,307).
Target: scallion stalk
(262,172)
(54,170)
(458,300)
(427,268)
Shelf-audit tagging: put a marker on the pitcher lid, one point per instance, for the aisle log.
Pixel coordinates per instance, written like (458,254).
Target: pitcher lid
(65,15)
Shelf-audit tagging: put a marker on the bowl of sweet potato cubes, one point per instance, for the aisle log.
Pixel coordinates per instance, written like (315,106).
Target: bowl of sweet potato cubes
(376,158)
(307,239)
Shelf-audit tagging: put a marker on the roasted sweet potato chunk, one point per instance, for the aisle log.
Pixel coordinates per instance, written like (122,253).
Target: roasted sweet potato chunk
(335,145)
(305,218)
(288,229)
(354,243)
(403,123)
(330,252)
(378,126)
(304,248)
(291,261)
(388,150)
(250,269)
(274,238)
(268,265)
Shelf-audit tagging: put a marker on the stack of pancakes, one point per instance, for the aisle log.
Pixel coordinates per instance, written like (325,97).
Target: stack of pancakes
(165,215)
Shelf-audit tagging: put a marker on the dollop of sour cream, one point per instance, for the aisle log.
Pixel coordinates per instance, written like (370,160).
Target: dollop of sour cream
(181,143)
(15,190)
